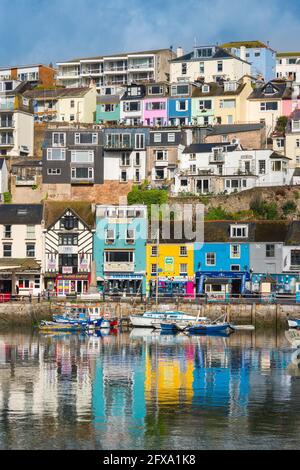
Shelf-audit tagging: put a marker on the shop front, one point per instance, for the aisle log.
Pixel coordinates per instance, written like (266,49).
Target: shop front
(173,287)
(122,284)
(284,283)
(15,282)
(71,284)
(238,282)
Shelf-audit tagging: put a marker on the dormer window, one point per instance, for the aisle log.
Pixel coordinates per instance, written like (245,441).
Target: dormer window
(204,52)
(230,86)
(269,89)
(239,231)
(205,89)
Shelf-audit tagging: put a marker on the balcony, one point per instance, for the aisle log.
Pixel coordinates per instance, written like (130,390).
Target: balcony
(161,163)
(119,267)
(217,158)
(92,71)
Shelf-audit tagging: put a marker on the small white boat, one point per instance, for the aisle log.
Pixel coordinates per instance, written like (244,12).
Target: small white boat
(293,322)
(151,319)
(242,327)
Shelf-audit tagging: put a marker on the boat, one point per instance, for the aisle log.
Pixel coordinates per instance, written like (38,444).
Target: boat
(202,328)
(50,326)
(293,322)
(151,319)
(293,336)
(90,316)
(242,327)
(169,327)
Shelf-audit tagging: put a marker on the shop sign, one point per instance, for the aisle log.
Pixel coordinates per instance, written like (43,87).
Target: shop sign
(169,264)
(67,270)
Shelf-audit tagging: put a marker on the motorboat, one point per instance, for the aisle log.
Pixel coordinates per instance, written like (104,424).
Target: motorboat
(151,319)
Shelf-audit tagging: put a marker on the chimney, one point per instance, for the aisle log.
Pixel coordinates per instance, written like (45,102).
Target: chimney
(243,52)
(179,52)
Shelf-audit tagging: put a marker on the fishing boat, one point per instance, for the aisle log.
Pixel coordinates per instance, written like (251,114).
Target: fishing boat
(169,327)
(86,315)
(150,319)
(293,322)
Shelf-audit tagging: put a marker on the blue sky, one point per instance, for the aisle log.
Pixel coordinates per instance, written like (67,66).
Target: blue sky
(52,30)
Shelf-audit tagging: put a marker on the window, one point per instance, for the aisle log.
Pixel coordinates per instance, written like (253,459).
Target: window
(159,175)
(58,139)
(154,251)
(193,169)
(297,143)
(204,104)
(140,141)
(110,236)
(30,250)
(68,240)
(72,117)
(153,268)
(201,67)
(157,138)
(220,66)
(239,231)
(137,176)
(131,106)
(280,143)
(277,166)
(7,231)
(69,223)
(7,250)
(295,257)
(269,106)
(235,251)
(72,104)
(56,155)
(155,105)
(54,171)
(68,260)
(205,89)
(161,155)
(177,90)
(262,167)
(225,104)
(125,159)
(124,176)
(230,86)
(130,237)
(183,251)
(171,137)
(30,232)
(86,138)
(192,156)
(37,282)
(235,267)
(119,257)
(295,125)
(118,141)
(155,90)
(183,269)
(181,105)
(210,259)
(82,173)
(137,160)
(270,251)
(82,156)
(183,68)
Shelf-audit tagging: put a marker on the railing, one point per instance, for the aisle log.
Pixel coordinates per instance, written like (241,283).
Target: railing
(23,181)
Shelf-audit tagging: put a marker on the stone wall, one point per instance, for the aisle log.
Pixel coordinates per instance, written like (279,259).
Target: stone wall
(107,193)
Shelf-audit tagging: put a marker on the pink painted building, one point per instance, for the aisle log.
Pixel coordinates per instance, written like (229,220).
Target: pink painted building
(288,106)
(156,105)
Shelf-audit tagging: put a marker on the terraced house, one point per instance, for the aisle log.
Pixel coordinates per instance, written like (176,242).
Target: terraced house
(120,249)
(21,249)
(156,104)
(68,247)
(221,103)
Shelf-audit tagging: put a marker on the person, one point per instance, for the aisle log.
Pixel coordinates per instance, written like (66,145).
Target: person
(17,289)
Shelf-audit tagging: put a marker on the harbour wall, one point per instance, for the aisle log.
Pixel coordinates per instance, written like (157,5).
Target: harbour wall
(26,314)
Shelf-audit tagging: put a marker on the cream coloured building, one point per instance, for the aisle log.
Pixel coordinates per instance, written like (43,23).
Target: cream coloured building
(21,248)
(209,63)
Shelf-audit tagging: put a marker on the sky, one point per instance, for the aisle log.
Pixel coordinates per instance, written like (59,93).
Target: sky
(49,31)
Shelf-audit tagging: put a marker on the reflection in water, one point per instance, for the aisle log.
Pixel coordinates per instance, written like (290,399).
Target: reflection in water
(145,390)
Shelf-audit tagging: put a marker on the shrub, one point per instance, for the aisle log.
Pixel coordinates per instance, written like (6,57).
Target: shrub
(7,198)
(289,207)
(147,197)
(217,213)
(263,209)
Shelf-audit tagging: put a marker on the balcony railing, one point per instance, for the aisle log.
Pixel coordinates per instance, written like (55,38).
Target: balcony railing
(118,267)
(216,158)
(25,181)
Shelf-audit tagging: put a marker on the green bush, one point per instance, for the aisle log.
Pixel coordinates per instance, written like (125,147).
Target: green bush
(217,213)
(148,197)
(264,210)
(289,207)
(7,198)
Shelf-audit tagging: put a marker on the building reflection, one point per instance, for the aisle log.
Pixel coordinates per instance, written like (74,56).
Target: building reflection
(139,390)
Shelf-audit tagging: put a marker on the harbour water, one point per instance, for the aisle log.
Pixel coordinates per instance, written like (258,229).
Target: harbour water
(140,390)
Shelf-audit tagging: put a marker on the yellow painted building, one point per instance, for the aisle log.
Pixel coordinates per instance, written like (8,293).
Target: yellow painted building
(174,265)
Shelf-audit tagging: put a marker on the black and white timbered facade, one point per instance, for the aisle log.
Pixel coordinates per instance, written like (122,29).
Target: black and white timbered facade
(68,254)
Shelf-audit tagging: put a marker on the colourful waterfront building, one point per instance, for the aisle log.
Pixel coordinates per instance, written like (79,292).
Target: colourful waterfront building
(156,105)
(180,104)
(120,249)
(108,109)
(173,264)
(223,259)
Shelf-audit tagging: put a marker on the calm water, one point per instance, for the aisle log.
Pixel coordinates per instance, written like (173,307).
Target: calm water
(142,390)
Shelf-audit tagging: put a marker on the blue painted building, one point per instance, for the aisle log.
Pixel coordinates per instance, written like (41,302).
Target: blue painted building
(180,104)
(120,249)
(224,257)
(261,57)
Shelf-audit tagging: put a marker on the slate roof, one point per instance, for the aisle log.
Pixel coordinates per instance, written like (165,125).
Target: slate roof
(220,53)
(21,214)
(53,210)
(108,99)
(203,148)
(282,91)
(276,155)
(216,90)
(56,93)
(220,129)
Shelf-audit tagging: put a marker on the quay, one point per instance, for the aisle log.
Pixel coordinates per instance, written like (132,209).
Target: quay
(29,312)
